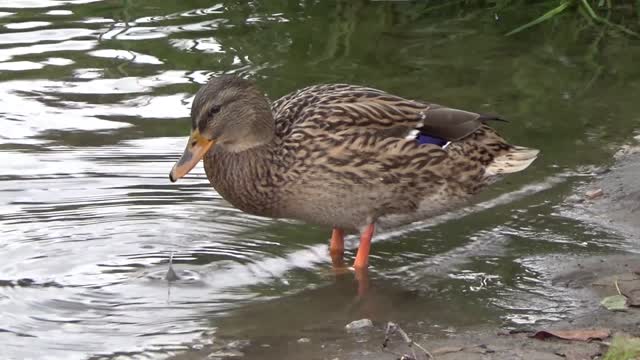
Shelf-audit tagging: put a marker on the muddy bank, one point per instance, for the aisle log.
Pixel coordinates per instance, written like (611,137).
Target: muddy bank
(595,277)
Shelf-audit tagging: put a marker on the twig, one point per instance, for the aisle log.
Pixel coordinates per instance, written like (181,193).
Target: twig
(617,287)
(392,328)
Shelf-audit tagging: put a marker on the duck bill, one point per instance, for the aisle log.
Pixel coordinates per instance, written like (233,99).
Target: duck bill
(197,146)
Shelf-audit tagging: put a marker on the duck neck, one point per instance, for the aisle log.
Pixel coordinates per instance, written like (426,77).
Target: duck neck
(244,177)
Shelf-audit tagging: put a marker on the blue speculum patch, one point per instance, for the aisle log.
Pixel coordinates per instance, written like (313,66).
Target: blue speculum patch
(423,139)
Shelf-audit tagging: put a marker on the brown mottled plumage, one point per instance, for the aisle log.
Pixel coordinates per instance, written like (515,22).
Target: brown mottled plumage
(342,155)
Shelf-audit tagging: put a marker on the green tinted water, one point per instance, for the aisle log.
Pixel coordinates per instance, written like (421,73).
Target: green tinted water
(94,100)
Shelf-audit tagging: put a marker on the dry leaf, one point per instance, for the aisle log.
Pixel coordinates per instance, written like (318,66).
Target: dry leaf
(577,335)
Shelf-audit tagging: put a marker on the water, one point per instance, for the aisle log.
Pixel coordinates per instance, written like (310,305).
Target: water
(94,100)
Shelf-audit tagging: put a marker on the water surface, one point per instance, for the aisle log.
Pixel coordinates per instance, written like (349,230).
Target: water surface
(94,105)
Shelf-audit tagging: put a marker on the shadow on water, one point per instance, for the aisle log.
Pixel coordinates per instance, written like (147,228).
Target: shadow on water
(94,101)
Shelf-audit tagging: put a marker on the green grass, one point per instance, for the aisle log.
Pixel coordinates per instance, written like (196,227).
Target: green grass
(623,348)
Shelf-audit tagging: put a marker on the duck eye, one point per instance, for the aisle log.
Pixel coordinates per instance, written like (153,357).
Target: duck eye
(214,110)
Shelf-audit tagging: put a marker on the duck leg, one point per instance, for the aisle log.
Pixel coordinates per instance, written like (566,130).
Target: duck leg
(362,257)
(336,248)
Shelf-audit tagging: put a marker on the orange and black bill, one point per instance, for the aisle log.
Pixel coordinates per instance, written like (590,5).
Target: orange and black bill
(197,146)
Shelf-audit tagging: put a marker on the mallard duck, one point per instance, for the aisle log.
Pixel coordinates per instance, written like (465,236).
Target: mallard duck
(345,156)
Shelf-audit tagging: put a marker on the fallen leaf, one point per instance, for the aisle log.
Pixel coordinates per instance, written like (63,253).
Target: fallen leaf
(577,335)
(615,303)
(446,350)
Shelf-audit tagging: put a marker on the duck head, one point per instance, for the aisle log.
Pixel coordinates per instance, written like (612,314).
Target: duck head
(229,113)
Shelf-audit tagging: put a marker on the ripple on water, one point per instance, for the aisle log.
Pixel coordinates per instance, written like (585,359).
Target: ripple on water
(182,277)
(105,292)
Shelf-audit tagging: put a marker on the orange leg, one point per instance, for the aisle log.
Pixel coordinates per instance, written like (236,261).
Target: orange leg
(362,258)
(336,247)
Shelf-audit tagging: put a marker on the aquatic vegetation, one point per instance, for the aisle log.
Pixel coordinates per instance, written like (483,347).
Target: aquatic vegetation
(588,9)
(620,16)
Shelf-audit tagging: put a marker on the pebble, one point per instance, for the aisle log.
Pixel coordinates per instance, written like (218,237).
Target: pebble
(304,340)
(359,325)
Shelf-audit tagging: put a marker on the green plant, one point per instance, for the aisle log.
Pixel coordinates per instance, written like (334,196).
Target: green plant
(623,348)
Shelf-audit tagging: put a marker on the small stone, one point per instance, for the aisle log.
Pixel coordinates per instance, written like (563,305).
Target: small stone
(359,325)
(304,340)
(594,194)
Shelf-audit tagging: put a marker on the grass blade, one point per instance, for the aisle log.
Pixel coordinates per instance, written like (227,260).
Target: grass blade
(546,16)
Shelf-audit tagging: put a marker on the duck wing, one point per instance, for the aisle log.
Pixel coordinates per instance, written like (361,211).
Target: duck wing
(340,108)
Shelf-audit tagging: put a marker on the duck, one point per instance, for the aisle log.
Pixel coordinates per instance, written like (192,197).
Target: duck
(349,157)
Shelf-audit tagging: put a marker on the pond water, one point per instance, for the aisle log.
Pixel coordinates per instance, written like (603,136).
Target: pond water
(94,104)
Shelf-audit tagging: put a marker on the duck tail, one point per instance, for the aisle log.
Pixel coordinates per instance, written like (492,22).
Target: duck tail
(516,159)
(483,156)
